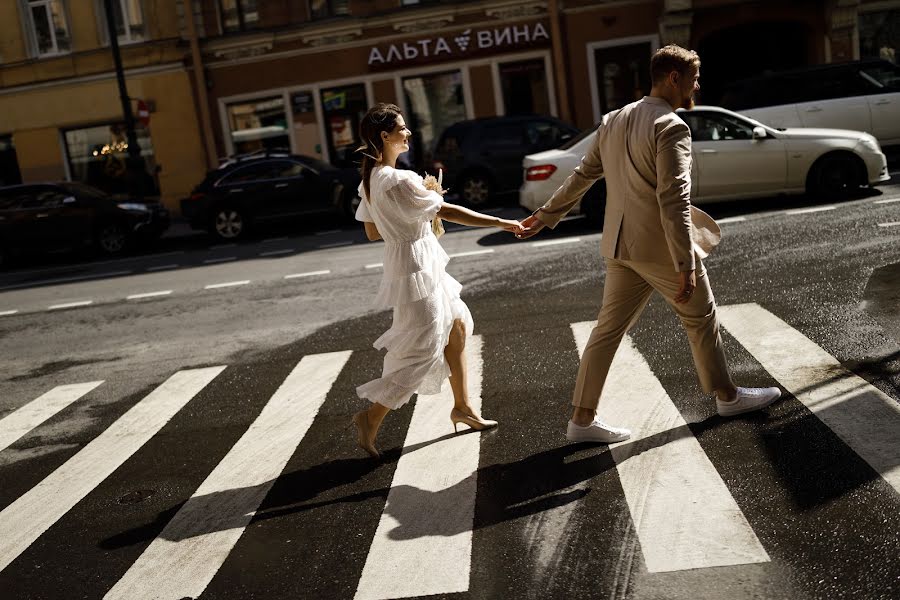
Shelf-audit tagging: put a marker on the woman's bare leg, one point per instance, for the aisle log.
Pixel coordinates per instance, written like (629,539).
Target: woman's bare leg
(455,355)
(367,424)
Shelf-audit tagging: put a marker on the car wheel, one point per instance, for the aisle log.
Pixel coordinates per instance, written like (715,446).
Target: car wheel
(228,223)
(476,189)
(112,238)
(835,175)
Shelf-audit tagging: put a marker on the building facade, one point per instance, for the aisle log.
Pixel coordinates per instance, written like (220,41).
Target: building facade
(229,76)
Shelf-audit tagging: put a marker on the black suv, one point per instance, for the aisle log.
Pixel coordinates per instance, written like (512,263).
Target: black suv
(43,217)
(483,157)
(268,186)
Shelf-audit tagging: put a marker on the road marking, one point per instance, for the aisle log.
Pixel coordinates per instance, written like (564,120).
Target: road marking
(65,280)
(212,261)
(684,515)
(731,220)
(215,286)
(891,224)
(70,305)
(425,531)
(23,420)
(803,211)
(6,313)
(148,295)
(574,240)
(472,253)
(864,417)
(186,555)
(29,516)
(335,245)
(329,232)
(375,266)
(310,274)
(162,267)
(220,246)
(887,201)
(278,252)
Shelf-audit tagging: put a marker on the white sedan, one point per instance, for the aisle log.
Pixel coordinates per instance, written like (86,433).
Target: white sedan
(734,157)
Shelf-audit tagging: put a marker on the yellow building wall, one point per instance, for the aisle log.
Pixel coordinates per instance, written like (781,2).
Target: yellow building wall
(36,116)
(12,44)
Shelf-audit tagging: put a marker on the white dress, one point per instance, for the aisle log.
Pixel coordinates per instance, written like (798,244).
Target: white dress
(415,284)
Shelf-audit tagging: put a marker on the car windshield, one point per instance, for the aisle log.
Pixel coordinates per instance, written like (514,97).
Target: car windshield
(579,137)
(82,189)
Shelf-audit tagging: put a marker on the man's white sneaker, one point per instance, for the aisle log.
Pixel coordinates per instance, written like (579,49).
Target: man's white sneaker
(748,399)
(597,431)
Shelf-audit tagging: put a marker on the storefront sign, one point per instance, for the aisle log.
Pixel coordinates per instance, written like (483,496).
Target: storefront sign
(465,43)
(302,102)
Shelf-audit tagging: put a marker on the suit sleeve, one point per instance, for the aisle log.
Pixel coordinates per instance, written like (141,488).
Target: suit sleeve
(673,190)
(574,187)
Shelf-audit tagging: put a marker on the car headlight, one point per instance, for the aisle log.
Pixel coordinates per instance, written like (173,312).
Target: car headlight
(133,207)
(870,144)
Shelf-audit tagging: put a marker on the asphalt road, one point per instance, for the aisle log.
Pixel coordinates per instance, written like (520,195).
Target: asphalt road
(221,484)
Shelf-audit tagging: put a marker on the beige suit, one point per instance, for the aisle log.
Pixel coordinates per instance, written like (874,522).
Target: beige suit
(644,151)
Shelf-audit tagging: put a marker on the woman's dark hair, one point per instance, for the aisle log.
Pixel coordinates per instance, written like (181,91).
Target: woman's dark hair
(381,118)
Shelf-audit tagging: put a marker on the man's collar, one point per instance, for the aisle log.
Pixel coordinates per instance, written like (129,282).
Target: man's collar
(655,100)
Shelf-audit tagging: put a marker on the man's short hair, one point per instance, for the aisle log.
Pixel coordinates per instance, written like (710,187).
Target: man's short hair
(672,58)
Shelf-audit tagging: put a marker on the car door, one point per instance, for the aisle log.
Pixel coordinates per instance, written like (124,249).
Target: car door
(250,187)
(884,102)
(729,162)
(296,189)
(503,146)
(836,100)
(44,211)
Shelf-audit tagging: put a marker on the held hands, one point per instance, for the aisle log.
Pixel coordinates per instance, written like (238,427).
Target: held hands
(688,283)
(510,226)
(530,226)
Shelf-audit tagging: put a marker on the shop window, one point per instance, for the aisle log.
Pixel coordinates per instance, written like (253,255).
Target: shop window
(436,102)
(259,125)
(879,34)
(128,17)
(98,156)
(623,74)
(238,15)
(307,138)
(524,86)
(9,163)
(324,9)
(49,30)
(344,107)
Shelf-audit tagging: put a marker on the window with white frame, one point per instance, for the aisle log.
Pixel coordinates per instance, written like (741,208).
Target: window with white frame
(128,18)
(49,31)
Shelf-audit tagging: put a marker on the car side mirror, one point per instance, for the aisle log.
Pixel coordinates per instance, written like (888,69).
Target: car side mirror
(760,133)
(69,200)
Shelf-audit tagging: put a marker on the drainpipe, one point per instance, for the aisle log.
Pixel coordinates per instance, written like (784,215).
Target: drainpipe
(559,67)
(209,144)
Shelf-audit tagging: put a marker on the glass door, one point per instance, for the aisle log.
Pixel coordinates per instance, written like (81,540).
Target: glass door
(435,102)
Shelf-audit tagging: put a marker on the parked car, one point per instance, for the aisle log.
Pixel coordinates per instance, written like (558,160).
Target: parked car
(268,186)
(734,157)
(483,157)
(43,217)
(860,95)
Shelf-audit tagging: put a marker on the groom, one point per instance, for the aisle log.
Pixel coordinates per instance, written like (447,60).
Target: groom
(644,151)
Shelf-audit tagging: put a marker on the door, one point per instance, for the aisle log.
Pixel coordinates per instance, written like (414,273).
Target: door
(503,145)
(835,99)
(296,190)
(884,103)
(729,162)
(250,188)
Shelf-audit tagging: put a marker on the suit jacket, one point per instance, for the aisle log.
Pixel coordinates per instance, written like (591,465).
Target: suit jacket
(644,151)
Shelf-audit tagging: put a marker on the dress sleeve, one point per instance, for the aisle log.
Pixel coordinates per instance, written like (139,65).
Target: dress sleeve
(413,201)
(362,213)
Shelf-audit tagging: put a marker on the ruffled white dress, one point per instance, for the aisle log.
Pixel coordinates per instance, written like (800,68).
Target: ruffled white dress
(415,284)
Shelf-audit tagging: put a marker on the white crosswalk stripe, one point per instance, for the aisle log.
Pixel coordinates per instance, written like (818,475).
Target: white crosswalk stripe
(187,554)
(423,545)
(32,514)
(864,417)
(14,426)
(684,514)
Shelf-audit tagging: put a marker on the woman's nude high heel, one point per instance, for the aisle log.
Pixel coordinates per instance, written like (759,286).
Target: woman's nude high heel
(361,420)
(476,423)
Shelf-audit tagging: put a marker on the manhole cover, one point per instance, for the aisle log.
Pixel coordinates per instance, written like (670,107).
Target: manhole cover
(136,496)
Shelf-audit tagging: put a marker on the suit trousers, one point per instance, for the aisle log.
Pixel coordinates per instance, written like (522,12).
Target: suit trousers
(626,292)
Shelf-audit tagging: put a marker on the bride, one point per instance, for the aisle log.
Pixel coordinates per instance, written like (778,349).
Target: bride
(427,338)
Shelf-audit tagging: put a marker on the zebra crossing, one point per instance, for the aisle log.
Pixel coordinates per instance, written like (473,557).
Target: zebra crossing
(684,514)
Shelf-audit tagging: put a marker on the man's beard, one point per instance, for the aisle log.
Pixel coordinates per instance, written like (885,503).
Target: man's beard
(688,103)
